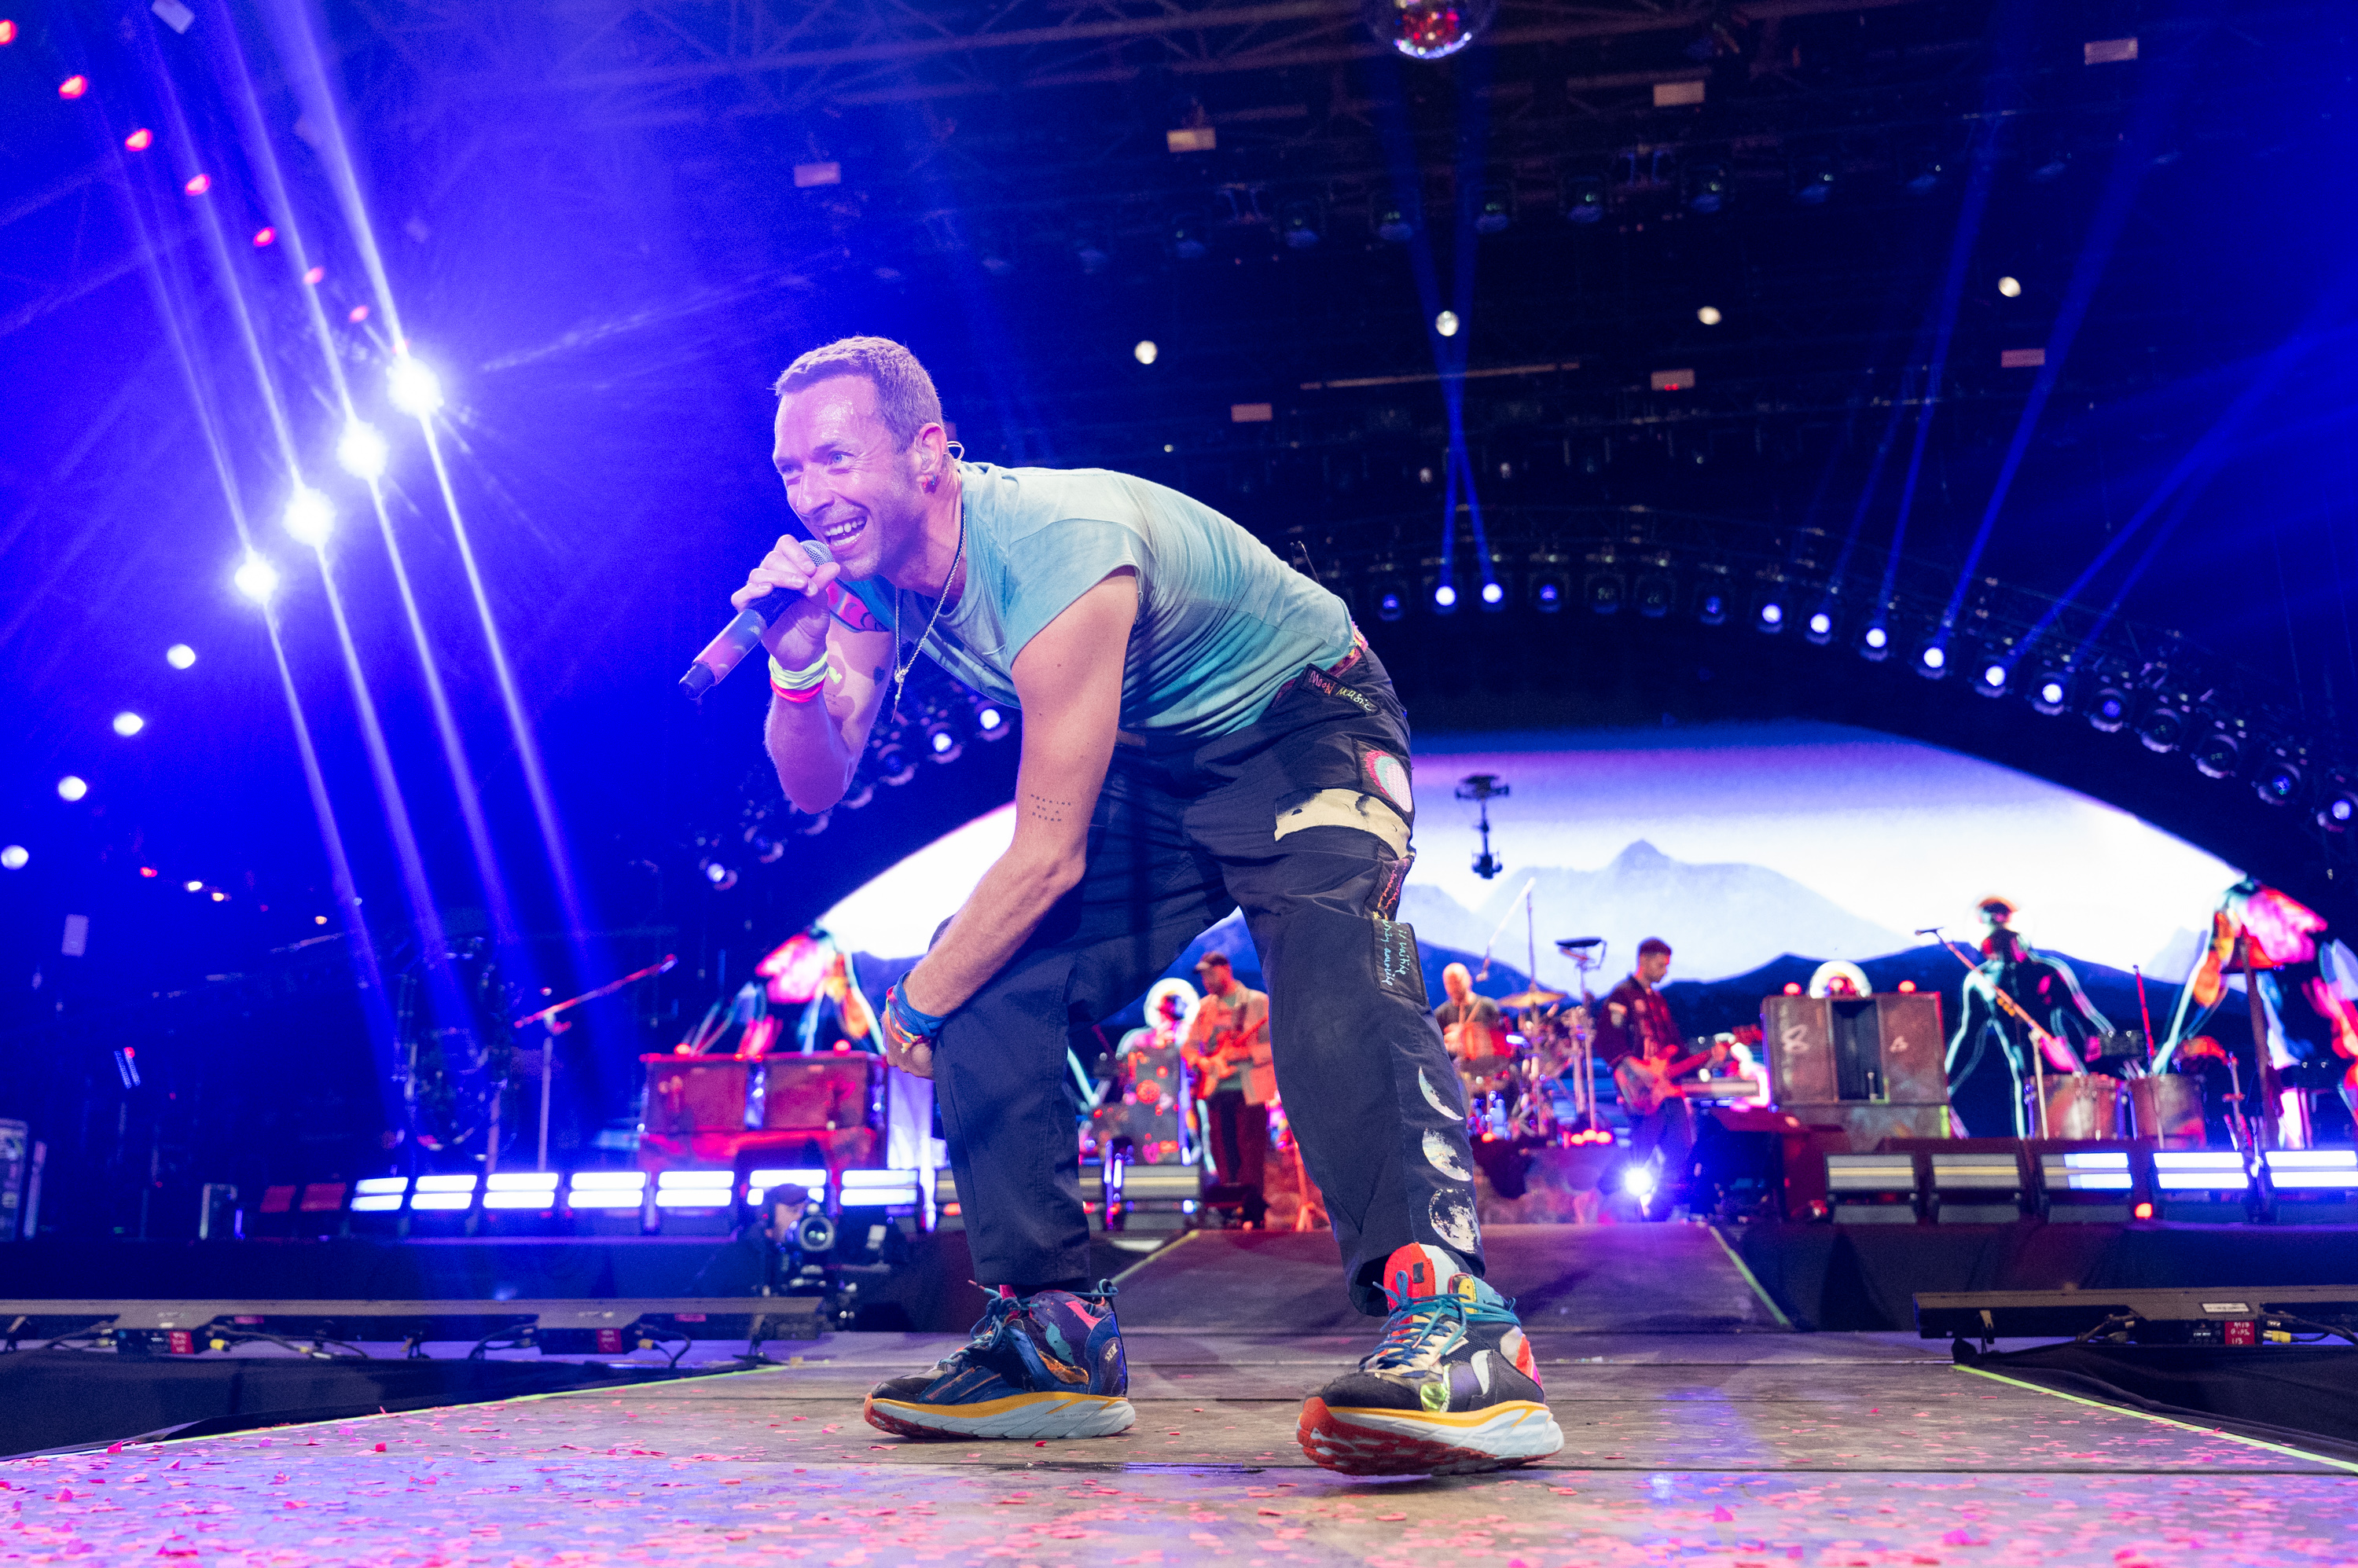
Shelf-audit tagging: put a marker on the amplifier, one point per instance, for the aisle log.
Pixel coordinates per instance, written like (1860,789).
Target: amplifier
(1874,1050)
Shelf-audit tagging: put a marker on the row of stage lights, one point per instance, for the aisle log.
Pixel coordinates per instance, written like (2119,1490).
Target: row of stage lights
(362,450)
(2110,702)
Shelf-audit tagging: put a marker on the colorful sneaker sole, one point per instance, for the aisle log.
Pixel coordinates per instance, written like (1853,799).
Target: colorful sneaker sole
(1019,1415)
(1360,1442)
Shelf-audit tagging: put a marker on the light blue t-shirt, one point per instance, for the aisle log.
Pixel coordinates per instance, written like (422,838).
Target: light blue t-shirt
(1222,622)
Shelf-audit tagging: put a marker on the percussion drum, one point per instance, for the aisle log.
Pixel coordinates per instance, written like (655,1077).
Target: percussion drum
(2169,1105)
(2087,1106)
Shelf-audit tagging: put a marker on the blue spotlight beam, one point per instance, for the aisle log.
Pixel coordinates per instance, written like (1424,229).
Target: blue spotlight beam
(1449,355)
(506,931)
(323,105)
(2157,102)
(436,956)
(2213,448)
(175,314)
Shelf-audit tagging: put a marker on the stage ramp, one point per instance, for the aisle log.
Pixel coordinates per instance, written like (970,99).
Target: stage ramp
(1566,1278)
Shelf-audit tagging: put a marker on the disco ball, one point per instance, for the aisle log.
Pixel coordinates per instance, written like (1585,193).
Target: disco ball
(1429,30)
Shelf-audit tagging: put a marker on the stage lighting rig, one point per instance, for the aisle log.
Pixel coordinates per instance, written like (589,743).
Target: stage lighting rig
(1429,30)
(1820,627)
(1708,187)
(1813,180)
(414,387)
(309,517)
(1494,595)
(256,578)
(1875,641)
(180,655)
(361,451)
(1547,593)
(1711,605)
(2162,727)
(1495,214)
(1395,221)
(2050,691)
(1769,614)
(1602,593)
(1583,199)
(1445,599)
(1932,660)
(2280,780)
(1301,225)
(1190,236)
(942,742)
(2340,809)
(2216,754)
(894,764)
(15,858)
(1992,675)
(1656,596)
(991,722)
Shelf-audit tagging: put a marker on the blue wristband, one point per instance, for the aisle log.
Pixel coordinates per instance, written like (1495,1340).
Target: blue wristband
(921,1023)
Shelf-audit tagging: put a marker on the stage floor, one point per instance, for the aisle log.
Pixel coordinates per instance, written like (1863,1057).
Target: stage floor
(1745,1445)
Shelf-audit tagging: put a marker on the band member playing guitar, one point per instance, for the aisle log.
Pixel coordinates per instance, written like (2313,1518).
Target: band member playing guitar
(1228,1051)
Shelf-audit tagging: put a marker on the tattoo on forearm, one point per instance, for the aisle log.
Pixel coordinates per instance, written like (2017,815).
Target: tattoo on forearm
(1045,809)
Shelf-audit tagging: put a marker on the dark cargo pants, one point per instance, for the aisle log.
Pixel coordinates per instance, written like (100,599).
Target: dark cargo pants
(1302,820)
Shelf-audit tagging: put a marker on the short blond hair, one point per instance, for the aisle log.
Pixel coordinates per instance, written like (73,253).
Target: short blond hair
(905,397)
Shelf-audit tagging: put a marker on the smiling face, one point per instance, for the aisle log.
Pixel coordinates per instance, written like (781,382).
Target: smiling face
(849,480)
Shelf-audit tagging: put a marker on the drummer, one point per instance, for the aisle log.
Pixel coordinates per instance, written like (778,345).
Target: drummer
(1470,1028)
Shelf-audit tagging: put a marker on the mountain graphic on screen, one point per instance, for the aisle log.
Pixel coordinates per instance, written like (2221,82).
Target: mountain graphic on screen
(1720,920)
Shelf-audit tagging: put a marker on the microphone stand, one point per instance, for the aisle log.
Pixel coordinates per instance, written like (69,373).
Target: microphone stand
(547,1015)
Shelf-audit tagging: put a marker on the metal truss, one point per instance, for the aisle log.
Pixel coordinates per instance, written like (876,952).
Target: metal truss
(654,61)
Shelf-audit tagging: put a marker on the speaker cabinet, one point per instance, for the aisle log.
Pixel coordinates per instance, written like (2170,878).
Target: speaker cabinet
(1877,1050)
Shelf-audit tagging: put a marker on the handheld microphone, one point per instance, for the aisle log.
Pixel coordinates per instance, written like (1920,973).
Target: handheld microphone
(743,634)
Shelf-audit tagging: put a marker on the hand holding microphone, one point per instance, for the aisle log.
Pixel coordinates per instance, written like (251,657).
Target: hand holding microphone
(781,607)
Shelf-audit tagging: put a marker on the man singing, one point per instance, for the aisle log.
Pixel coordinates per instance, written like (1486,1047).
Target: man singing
(1202,730)
(1228,1050)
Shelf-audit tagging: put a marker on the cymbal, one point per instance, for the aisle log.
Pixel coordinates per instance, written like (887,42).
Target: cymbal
(1534,997)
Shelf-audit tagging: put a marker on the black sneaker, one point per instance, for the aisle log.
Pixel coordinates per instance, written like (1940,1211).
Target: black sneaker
(1452,1388)
(1045,1366)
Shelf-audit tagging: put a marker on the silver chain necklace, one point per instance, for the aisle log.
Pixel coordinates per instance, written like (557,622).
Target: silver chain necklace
(900,669)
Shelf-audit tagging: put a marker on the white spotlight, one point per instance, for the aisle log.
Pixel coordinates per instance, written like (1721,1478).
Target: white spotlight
(14,857)
(180,655)
(1639,1183)
(1709,316)
(309,517)
(416,390)
(361,451)
(128,724)
(70,788)
(1146,351)
(2009,287)
(256,578)
(1446,323)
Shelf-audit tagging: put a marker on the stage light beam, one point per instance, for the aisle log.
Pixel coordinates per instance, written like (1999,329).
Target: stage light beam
(1820,627)
(180,655)
(414,387)
(127,724)
(361,451)
(256,578)
(72,788)
(1146,352)
(14,857)
(2010,286)
(1494,596)
(1445,599)
(1446,323)
(308,518)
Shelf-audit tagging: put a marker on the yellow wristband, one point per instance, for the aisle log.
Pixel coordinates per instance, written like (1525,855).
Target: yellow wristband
(785,679)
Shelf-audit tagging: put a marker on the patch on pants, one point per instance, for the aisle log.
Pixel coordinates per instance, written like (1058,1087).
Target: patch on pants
(1370,814)
(1397,969)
